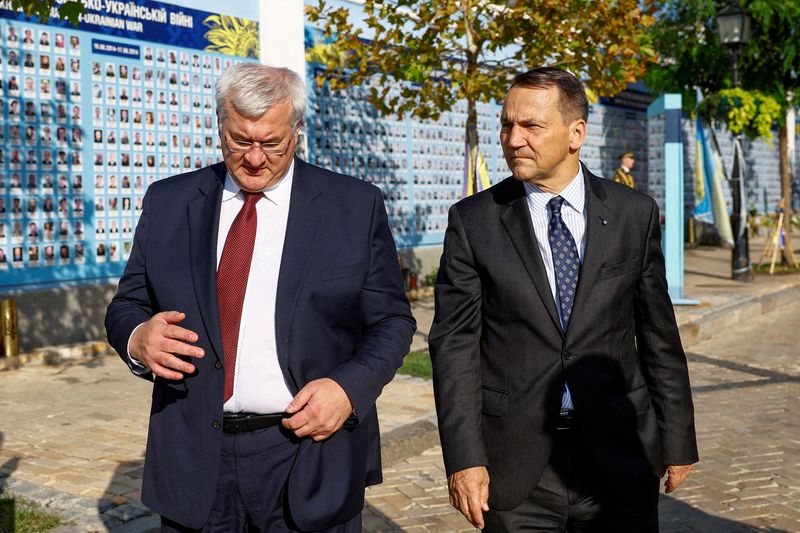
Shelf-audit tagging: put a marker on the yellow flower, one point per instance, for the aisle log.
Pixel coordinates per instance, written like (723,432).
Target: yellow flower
(232,36)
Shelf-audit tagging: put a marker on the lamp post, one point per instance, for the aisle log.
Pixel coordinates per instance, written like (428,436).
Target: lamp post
(733,24)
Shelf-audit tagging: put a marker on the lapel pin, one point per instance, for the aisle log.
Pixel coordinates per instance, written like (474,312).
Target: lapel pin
(603,221)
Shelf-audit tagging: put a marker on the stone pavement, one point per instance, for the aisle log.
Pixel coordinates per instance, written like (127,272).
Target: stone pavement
(72,433)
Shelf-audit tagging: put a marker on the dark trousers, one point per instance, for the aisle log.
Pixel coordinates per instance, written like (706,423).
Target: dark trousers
(573,496)
(253,471)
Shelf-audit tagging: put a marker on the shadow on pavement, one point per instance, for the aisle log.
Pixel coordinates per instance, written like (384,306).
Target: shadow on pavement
(707,274)
(6,504)
(121,502)
(675,515)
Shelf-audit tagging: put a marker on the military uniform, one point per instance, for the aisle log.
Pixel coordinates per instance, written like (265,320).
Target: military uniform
(623,175)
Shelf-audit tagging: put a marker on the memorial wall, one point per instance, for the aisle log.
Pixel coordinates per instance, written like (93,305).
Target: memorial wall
(90,117)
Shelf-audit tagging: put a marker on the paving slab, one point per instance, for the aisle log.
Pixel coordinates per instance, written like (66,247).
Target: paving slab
(73,429)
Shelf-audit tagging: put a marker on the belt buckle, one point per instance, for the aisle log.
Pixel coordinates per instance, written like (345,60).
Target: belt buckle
(235,423)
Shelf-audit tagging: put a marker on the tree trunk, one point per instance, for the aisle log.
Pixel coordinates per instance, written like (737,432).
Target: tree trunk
(471,178)
(787,254)
(472,146)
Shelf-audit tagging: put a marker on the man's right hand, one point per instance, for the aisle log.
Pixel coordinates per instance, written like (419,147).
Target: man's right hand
(157,343)
(469,493)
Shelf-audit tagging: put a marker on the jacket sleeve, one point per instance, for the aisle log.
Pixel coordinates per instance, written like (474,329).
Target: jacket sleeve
(455,351)
(661,354)
(387,320)
(132,305)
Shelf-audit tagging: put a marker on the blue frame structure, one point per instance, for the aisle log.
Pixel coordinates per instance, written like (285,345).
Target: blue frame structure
(664,116)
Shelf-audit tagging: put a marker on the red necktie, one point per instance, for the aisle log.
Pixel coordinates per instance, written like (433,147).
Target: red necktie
(232,273)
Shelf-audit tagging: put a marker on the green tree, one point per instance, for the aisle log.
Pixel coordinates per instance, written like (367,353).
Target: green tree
(686,38)
(437,53)
(70,10)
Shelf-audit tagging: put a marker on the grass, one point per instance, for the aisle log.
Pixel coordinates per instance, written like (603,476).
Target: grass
(18,515)
(780,268)
(417,364)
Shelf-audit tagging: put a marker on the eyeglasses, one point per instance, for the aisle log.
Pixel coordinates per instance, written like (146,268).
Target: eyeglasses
(238,146)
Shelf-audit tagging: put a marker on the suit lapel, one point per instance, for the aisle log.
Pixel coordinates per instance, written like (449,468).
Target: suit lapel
(203,213)
(306,213)
(599,221)
(517,221)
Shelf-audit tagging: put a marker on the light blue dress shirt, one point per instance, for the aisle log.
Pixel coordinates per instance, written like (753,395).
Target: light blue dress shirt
(573,213)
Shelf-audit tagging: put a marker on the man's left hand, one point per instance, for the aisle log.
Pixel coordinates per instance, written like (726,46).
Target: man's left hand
(676,475)
(319,410)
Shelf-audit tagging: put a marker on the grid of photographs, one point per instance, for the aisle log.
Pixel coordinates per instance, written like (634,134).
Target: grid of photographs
(151,119)
(656,135)
(42,202)
(418,164)
(83,134)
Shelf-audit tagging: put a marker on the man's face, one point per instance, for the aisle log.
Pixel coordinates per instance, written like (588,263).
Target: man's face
(537,144)
(252,170)
(628,162)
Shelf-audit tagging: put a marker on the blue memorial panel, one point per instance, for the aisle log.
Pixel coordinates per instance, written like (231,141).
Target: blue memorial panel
(88,122)
(159,22)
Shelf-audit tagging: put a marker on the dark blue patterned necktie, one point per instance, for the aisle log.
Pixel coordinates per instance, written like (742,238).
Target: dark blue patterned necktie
(566,262)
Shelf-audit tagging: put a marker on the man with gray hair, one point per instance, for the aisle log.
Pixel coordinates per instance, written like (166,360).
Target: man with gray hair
(264,300)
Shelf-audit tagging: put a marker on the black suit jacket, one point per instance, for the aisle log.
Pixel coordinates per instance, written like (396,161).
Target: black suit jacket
(500,357)
(341,312)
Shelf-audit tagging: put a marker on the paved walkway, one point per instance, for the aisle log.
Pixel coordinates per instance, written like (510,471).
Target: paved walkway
(72,435)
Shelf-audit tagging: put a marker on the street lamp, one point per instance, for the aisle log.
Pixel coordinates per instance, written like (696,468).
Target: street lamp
(733,24)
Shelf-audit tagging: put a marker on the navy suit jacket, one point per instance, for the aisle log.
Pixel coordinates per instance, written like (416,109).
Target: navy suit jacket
(341,313)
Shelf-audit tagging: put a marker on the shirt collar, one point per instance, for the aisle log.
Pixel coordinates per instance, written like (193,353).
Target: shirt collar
(277,193)
(574,194)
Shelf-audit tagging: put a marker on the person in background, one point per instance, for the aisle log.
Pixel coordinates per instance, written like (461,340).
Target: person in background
(623,173)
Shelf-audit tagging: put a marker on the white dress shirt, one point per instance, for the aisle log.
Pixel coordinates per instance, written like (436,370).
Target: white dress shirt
(573,213)
(259,385)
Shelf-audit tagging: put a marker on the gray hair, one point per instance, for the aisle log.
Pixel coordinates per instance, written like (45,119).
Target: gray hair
(253,89)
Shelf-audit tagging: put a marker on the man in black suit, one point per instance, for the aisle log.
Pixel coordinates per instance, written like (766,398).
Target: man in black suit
(561,386)
(264,299)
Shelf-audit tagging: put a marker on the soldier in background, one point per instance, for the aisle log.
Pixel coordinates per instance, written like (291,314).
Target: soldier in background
(623,173)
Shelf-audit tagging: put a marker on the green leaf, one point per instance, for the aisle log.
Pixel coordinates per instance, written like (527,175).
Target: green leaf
(72,11)
(439,52)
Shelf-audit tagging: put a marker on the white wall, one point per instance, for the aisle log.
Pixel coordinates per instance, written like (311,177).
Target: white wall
(282,26)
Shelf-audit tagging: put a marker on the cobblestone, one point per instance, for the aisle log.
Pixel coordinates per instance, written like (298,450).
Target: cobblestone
(72,435)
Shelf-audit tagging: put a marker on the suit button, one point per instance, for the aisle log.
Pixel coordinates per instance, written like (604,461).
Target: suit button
(215,424)
(217,365)
(568,355)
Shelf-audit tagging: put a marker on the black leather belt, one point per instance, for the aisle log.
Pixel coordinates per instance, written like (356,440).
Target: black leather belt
(239,422)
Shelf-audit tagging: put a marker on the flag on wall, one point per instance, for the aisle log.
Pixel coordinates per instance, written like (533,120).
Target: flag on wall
(702,183)
(481,180)
(710,203)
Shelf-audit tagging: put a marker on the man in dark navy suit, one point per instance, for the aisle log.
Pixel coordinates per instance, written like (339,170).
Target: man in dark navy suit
(264,299)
